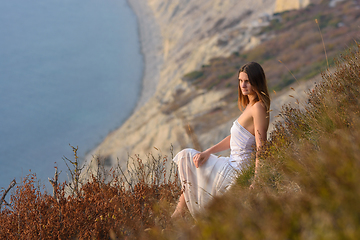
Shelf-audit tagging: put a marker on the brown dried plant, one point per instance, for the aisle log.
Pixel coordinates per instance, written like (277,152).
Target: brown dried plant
(99,207)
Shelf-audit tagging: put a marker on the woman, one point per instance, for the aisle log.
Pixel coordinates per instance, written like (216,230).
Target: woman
(204,175)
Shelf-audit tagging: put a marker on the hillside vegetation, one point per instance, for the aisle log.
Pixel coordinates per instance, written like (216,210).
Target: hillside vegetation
(106,205)
(308,183)
(295,41)
(294,52)
(307,188)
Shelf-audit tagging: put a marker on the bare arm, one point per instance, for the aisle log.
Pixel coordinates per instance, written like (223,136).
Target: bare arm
(200,158)
(261,124)
(221,146)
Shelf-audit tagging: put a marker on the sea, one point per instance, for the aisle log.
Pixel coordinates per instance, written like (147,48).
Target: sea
(70,73)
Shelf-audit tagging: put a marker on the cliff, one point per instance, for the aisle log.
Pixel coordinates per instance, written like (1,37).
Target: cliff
(285,5)
(179,37)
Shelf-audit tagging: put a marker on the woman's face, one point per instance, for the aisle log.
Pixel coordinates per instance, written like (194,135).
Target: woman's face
(245,85)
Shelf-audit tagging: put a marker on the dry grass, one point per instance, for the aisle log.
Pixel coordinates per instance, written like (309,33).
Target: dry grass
(308,184)
(96,208)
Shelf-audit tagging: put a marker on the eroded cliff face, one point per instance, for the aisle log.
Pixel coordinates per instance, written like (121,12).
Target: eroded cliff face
(192,32)
(286,5)
(195,31)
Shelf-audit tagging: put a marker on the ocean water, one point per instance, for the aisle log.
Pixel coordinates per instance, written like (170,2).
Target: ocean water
(70,72)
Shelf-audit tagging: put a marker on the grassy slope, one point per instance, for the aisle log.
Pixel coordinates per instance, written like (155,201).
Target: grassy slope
(308,188)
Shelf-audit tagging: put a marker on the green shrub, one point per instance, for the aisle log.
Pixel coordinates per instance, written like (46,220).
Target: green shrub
(193,75)
(226,75)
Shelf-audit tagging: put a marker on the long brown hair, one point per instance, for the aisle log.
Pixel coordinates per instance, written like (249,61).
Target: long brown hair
(257,80)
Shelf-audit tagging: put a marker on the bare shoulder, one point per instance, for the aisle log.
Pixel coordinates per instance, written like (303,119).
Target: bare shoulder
(261,117)
(259,108)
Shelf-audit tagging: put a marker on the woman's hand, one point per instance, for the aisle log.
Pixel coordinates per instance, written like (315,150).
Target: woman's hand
(200,158)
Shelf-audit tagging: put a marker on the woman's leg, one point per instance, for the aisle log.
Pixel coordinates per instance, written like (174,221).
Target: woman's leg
(180,208)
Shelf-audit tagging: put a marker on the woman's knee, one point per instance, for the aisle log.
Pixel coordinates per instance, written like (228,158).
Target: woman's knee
(189,152)
(186,154)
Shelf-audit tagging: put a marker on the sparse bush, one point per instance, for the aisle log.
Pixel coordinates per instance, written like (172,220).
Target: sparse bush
(226,75)
(193,75)
(103,206)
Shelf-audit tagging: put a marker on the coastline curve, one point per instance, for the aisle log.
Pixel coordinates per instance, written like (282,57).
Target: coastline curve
(151,49)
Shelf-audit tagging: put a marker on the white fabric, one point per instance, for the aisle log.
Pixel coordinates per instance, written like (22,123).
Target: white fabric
(242,144)
(217,174)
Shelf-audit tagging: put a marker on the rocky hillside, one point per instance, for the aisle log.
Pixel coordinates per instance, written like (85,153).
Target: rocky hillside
(286,5)
(193,108)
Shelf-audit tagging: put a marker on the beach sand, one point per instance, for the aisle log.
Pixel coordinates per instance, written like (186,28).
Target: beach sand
(152,51)
(151,48)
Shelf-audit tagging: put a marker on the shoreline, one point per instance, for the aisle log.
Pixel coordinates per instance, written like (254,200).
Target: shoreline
(151,50)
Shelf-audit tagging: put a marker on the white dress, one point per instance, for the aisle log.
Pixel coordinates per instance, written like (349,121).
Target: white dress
(217,174)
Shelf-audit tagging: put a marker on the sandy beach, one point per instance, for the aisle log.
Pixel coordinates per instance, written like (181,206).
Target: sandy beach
(151,48)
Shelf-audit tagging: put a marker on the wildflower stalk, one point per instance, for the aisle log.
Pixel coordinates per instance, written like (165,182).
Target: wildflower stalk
(75,171)
(322,39)
(2,200)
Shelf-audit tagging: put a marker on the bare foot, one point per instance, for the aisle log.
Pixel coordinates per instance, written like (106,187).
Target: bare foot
(177,214)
